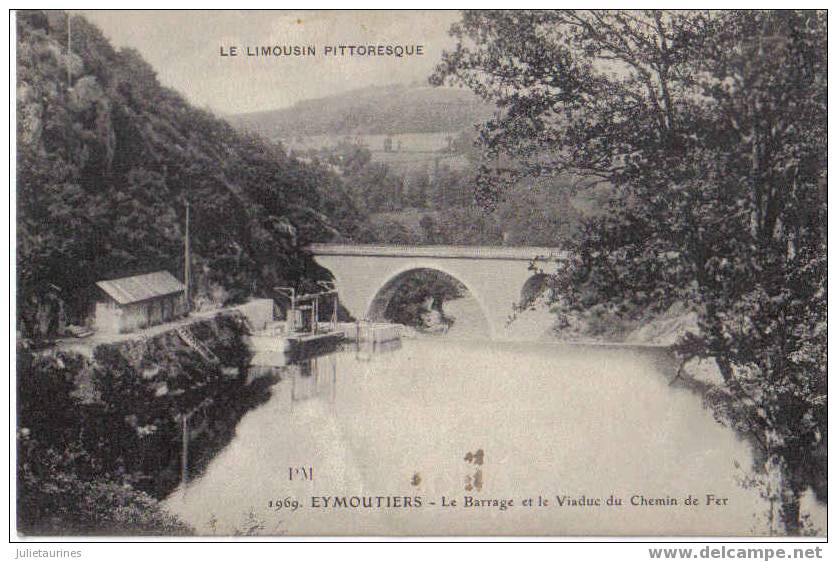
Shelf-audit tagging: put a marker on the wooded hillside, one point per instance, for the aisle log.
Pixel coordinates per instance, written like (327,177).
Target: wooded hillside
(395,109)
(107,158)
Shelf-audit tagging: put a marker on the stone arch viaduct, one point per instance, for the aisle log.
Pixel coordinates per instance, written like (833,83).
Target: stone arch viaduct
(367,276)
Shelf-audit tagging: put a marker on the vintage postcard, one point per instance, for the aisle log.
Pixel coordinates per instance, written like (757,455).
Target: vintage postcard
(420,273)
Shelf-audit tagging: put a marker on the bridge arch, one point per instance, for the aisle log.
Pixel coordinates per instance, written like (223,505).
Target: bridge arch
(365,274)
(382,296)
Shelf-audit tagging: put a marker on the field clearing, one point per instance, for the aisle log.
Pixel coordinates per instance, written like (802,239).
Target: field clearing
(409,142)
(409,151)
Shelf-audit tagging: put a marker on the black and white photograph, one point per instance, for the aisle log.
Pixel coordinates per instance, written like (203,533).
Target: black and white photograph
(419,273)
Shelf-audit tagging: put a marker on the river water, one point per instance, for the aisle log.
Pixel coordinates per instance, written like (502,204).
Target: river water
(436,419)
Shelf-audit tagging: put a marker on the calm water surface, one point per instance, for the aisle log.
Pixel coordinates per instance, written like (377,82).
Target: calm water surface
(551,420)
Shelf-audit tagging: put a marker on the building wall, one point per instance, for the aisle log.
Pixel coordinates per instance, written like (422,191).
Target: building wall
(108,317)
(155,311)
(178,305)
(114,318)
(134,317)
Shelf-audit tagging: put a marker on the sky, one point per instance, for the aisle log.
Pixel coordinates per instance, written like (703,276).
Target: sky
(184,48)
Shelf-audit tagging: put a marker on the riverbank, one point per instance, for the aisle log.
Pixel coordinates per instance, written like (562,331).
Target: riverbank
(100,439)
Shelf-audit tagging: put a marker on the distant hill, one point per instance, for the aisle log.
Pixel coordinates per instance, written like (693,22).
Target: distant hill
(376,110)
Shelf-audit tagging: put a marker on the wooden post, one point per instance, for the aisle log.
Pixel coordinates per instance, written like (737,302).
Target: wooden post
(184,452)
(186,263)
(293,314)
(69,50)
(334,314)
(333,377)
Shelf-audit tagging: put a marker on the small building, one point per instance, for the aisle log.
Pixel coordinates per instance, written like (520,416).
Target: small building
(131,303)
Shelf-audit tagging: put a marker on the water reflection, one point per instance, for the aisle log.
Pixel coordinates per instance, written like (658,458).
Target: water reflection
(543,420)
(315,377)
(367,350)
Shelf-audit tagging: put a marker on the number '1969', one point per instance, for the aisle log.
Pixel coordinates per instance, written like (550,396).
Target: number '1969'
(289,503)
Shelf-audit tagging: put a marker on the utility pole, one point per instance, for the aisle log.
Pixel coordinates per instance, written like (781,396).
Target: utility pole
(184,450)
(69,50)
(186,265)
(334,314)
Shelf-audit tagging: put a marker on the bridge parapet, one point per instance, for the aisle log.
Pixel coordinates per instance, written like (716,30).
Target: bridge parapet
(526,253)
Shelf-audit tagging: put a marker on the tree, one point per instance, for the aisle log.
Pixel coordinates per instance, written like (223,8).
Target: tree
(104,168)
(421,292)
(71,473)
(416,186)
(430,230)
(706,125)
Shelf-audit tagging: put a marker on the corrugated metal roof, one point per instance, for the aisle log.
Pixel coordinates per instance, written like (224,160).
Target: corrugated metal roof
(141,287)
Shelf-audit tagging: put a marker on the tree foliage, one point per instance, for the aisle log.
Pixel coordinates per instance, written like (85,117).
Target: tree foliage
(445,205)
(710,128)
(422,292)
(107,158)
(72,474)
